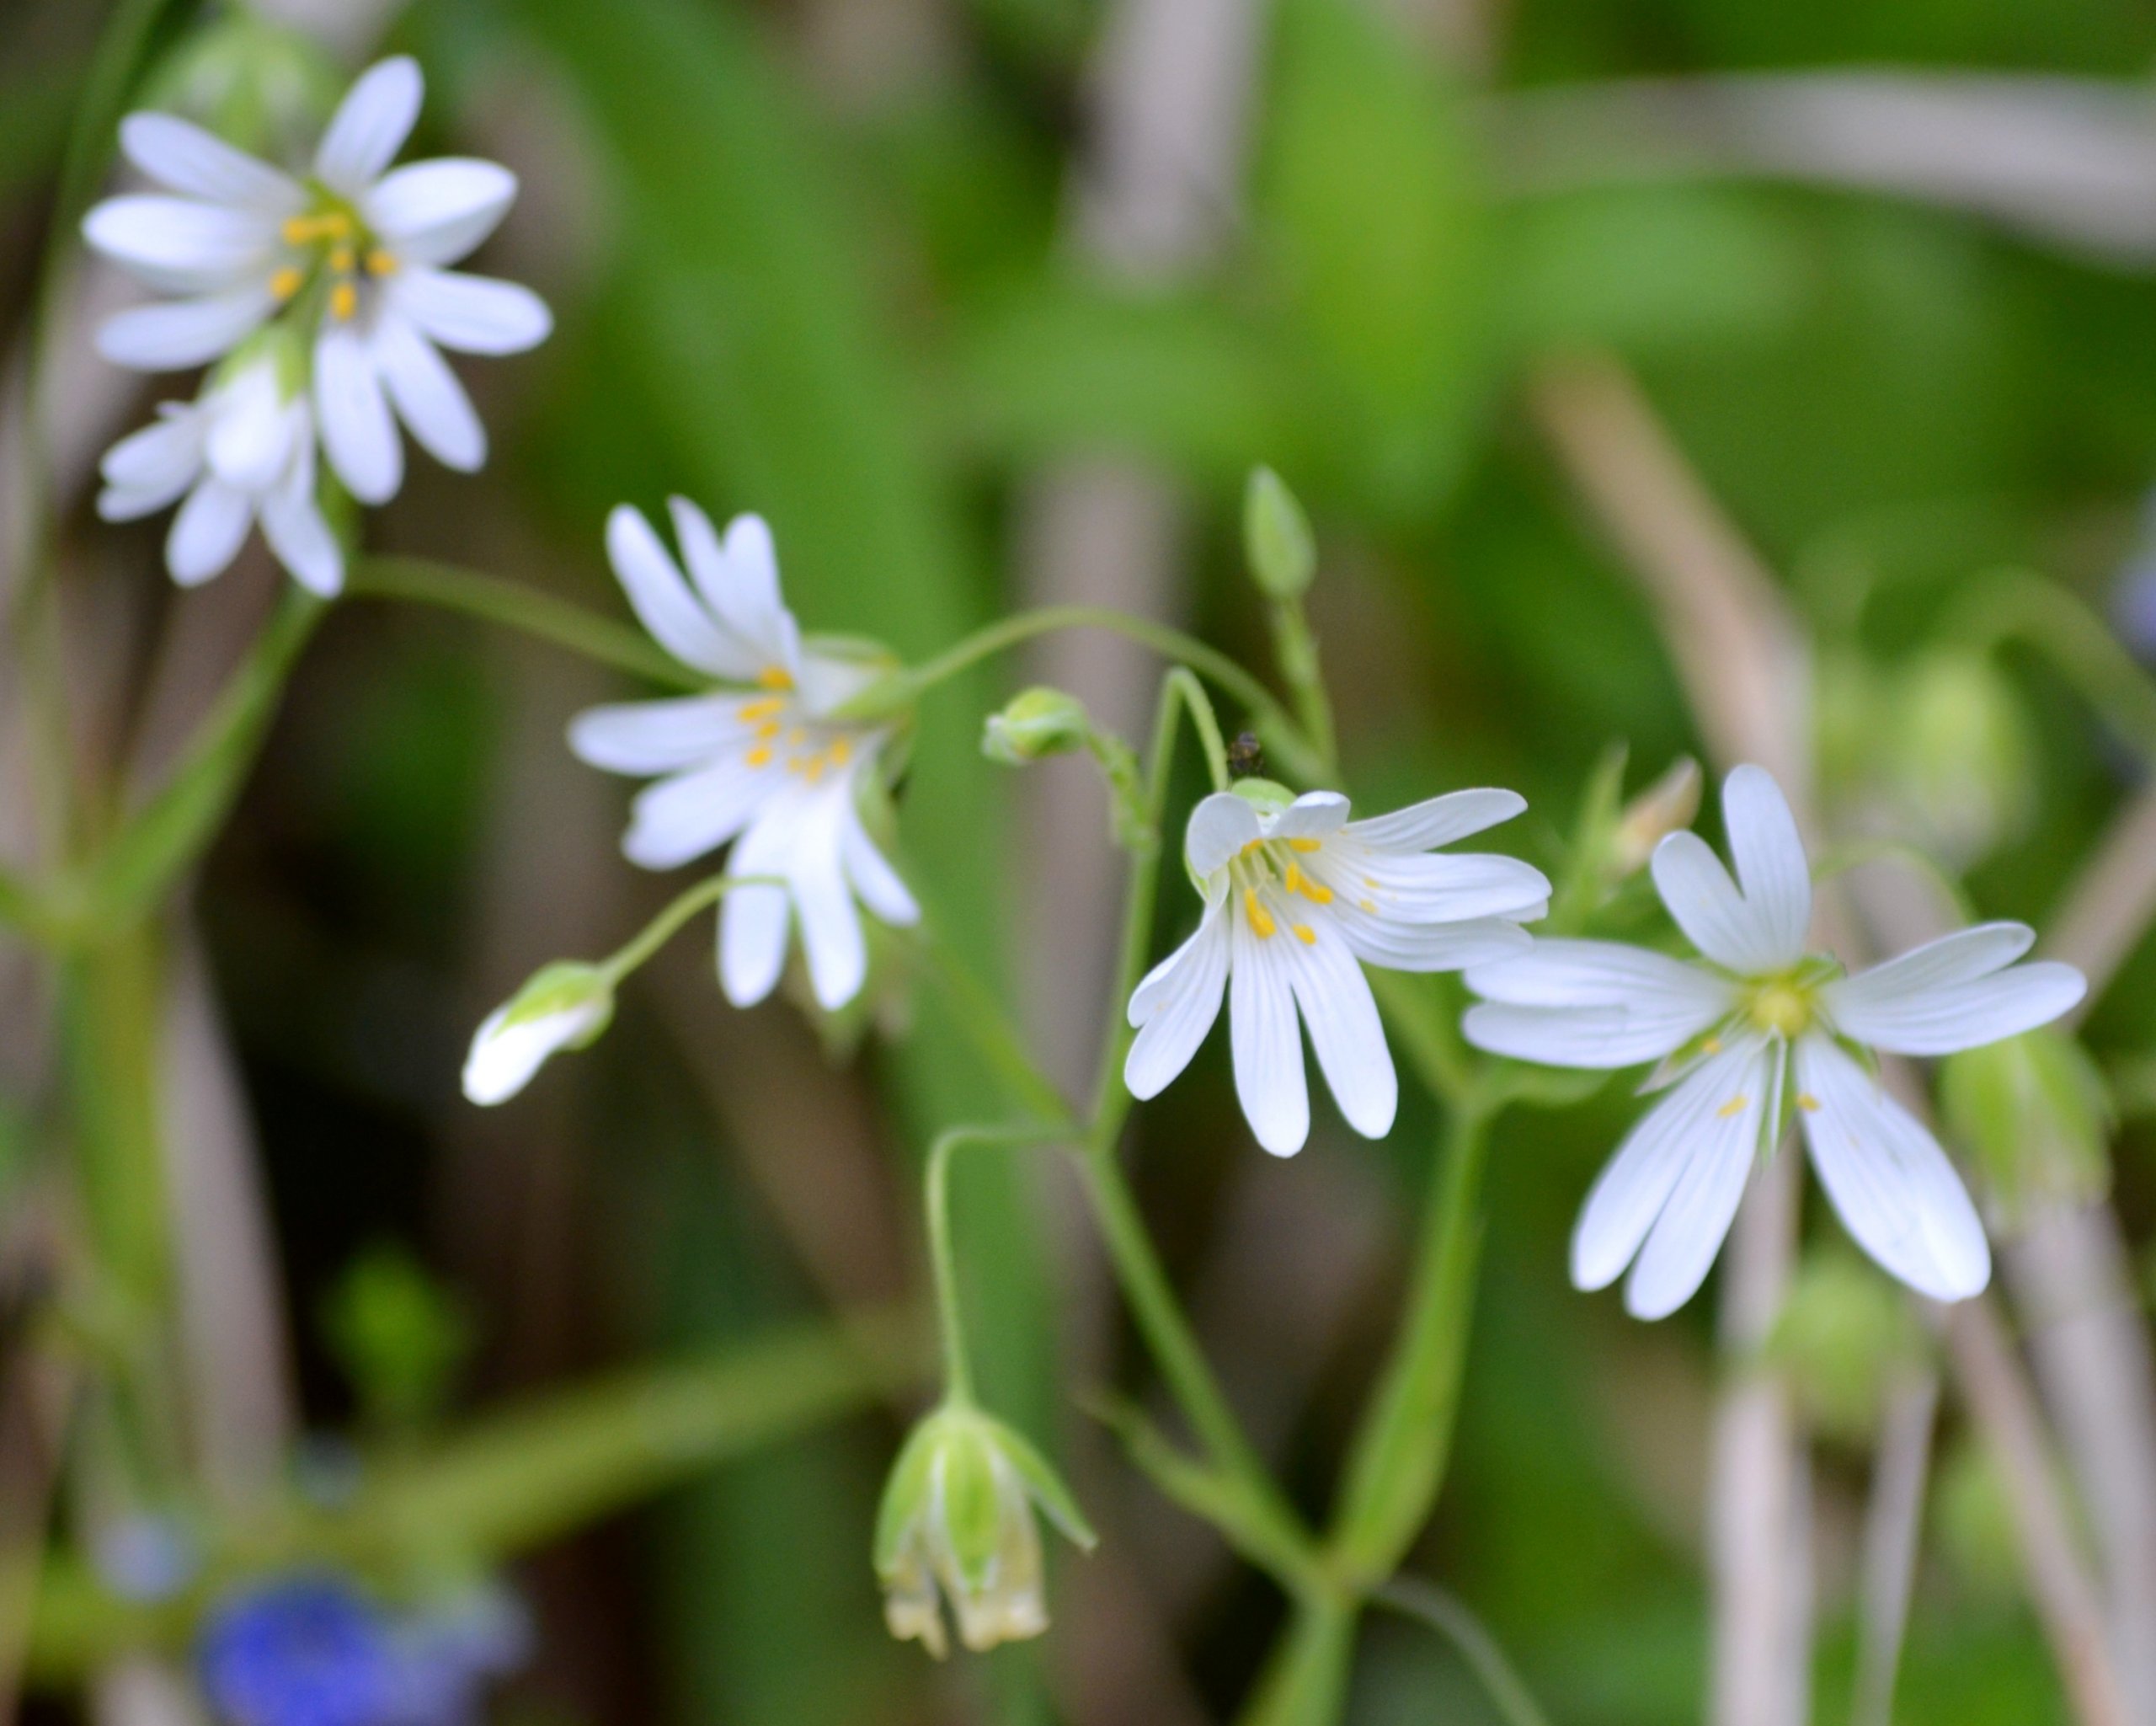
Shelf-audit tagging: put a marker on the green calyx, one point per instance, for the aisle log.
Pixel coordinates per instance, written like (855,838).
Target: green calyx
(566,985)
(970,1473)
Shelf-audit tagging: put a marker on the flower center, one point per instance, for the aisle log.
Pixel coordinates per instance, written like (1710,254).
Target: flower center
(786,738)
(1781,1005)
(329,243)
(1269,875)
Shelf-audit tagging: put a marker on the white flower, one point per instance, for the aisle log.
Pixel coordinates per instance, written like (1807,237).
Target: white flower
(1756,1019)
(764,763)
(565,1006)
(1296,894)
(243,453)
(357,251)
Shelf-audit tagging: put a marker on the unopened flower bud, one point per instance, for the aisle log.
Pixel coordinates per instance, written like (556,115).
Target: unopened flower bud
(1035,723)
(956,1529)
(1668,806)
(566,1005)
(1277,537)
(2034,1112)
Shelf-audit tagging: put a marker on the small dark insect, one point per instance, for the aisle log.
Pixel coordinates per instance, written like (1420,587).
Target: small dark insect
(1245,756)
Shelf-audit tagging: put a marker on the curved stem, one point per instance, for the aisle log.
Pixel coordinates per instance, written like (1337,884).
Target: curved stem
(492,600)
(958,1365)
(1427,1604)
(1182,683)
(656,933)
(2017,605)
(904,688)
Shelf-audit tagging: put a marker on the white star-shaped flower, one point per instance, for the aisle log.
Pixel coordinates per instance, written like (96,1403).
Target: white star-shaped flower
(353,253)
(1757,1018)
(763,763)
(1297,898)
(243,452)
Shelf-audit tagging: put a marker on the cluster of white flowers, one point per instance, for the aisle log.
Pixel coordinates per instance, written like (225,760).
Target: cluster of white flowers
(321,303)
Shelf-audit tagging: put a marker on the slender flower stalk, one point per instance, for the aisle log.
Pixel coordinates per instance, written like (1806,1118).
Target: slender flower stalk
(1755,1027)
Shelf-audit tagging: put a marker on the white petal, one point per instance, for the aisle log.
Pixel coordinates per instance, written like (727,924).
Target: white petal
(1634,1186)
(661,596)
(1438,821)
(435,212)
(657,736)
(1957,1016)
(180,245)
(1335,998)
(149,468)
(1593,1004)
(711,572)
(174,336)
(1219,827)
(473,314)
(251,439)
(1890,1183)
(753,921)
(1175,1006)
(686,816)
(370,126)
(830,923)
(1953,993)
(1706,905)
(181,155)
(504,1056)
(1267,1047)
(1681,1247)
(874,879)
(293,524)
(357,433)
(1313,816)
(1595,1038)
(1398,946)
(1436,888)
(1771,866)
(207,533)
(427,396)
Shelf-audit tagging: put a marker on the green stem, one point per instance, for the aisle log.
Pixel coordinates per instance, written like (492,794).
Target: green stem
(957,1364)
(1428,1604)
(168,835)
(1296,648)
(1180,683)
(656,933)
(902,689)
(495,601)
(1305,1682)
(982,1017)
(2019,605)
(1397,1462)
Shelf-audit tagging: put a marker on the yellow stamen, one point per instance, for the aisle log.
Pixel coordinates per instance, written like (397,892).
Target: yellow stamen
(1808,1102)
(381,262)
(1734,1106)
(285,282)
(1294,878)
(814,768)
(1369,880)
(1304,845)
(341,260)
(1261,919)
(769,729)
(1251,845)
(344,302)
(1368,905)
(761,756)
(754,710)
(774,677)
(1712,1046)
(842,751)
(1305,934)
(298,230)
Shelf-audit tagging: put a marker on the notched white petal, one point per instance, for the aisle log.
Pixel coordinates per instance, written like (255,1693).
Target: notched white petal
(1219,827)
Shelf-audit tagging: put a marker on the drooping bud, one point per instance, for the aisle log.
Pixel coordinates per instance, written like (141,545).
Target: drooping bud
(1277,538)
(1668,806)
(956,1529)
(2034,1113)
(1035,723)
(566,1005)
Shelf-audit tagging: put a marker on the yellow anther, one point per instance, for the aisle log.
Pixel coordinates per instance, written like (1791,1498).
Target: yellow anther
(1734,1106)
(1293,881)
(842,751)
(344,301)
(1808,1102)
(1712,1046)
(774,677)
(813,768)
(1251,845)
(285,282)
(1368,905)
(769,729)
(761,756)
(754,710)
(298,230)
(796,738)
(1304,933)
(1261,919)
(1369,880)
(1316,891)
(334,224)
(1304,844)
(341,260)
(381,262)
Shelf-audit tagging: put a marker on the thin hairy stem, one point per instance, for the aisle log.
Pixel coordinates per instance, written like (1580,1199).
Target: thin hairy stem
(935,1182)
(1428,1604)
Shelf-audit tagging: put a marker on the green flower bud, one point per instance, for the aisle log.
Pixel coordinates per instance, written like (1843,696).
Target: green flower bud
(1843,1333)
(1277,538)
(2034,1112)
(566,1005)
(1668,806)
(1035,723)
(1268,797)
(956,1527)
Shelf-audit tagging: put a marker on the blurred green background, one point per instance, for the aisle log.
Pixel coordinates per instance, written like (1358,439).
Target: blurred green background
(844,262)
